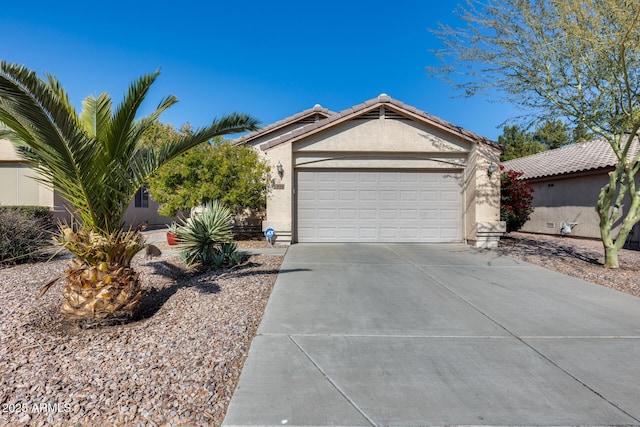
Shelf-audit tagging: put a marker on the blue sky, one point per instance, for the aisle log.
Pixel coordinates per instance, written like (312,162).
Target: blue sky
(268,59)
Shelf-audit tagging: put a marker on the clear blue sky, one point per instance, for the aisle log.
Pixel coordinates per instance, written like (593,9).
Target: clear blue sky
(268,59)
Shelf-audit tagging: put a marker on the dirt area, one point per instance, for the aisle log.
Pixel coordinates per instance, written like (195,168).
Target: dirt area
(581,258)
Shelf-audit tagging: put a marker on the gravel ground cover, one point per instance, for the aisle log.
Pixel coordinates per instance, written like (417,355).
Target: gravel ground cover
(581,258)
(178,363)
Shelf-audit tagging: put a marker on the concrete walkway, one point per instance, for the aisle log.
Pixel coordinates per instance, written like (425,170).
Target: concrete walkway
(398,334)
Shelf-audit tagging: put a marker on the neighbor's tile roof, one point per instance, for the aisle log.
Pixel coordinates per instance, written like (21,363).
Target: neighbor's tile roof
(580,157)
(356,110)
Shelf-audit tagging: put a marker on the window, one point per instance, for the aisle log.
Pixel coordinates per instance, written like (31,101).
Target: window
(142,198)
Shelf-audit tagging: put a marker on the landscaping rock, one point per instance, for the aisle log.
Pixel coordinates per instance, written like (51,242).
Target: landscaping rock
(177,363)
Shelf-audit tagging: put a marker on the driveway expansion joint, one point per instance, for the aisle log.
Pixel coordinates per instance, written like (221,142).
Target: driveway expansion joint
(333,383)
(514,335)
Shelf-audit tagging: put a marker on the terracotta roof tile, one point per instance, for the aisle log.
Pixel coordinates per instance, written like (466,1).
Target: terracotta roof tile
(316,109)
(383,99)
(580,157)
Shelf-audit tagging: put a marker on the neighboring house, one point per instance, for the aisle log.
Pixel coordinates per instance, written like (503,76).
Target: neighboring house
(381,171)
(566,183)
(19,188)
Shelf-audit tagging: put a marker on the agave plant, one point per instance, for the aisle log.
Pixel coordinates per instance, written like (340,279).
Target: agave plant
(203,235)
(96,161)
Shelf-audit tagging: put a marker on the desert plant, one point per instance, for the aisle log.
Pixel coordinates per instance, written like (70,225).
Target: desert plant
(25,233)
(235,175)
(231,254)
(201,236)
(173,228)
(516,199)
(97,162)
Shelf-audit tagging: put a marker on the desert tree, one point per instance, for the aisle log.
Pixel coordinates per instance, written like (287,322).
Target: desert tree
(577,61)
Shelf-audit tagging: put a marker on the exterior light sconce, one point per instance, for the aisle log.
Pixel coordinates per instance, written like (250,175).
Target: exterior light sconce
(280,169)
(492,168)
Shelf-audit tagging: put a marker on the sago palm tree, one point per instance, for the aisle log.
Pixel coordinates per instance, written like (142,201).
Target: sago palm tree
(96,162)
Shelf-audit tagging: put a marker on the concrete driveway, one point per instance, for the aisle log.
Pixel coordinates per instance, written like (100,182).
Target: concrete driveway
(405,334)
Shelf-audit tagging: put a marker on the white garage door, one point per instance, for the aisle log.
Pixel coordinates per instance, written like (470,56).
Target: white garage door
(379,206)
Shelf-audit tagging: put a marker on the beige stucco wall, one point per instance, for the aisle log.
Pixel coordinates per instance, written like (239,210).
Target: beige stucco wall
(383,135)
(571,200)
(385,144)
(18,188)
(7,152)
(483,227)
(280,201)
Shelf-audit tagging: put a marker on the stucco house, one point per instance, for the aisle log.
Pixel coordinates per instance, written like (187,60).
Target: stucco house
(20,189)
(566,183)
(380,171)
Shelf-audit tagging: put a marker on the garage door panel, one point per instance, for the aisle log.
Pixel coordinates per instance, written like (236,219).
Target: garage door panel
(366,214)
(367,233)
(327,214)
(368,195)
(347,194)
(306,195)
(409,214)
(449,214)
(428,196)
(448,233)
(379,206)
(388,195)
(409,195)
(348,214)
(449,196)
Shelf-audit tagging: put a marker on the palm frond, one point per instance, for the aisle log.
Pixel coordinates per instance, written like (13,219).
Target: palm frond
(95,117)
(94,160)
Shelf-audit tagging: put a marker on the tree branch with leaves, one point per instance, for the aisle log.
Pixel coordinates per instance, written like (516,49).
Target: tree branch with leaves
(573,60)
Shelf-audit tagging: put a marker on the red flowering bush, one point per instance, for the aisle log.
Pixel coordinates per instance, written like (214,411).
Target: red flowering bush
(516,199)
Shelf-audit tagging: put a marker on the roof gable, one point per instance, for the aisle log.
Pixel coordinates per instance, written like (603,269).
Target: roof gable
(569,159)
(383,104)
(310,115)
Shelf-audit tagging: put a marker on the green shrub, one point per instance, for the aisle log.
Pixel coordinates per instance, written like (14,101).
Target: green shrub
(234,175)
(202,236)
(41,213)
(25,231)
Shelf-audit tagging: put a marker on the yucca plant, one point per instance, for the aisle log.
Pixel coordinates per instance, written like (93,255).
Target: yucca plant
(96,161)
(202,235)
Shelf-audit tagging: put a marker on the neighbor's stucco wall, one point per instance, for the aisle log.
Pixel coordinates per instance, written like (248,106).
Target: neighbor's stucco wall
(571,200)
(7,152)
(18,188)
(135,216)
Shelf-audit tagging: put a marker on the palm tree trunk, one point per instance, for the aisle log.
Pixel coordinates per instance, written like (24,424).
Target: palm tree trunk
(105,292)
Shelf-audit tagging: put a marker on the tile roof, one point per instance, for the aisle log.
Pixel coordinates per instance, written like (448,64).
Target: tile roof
(580,157)
(362,108)
(309,112)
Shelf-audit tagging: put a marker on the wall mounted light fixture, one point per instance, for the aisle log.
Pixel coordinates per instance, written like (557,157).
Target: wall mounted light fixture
(492,168)
(280,169)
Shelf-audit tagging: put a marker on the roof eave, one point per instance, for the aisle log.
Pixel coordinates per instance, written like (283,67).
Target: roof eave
(365,107)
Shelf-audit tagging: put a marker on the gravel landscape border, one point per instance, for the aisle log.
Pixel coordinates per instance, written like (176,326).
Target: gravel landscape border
(176,364)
